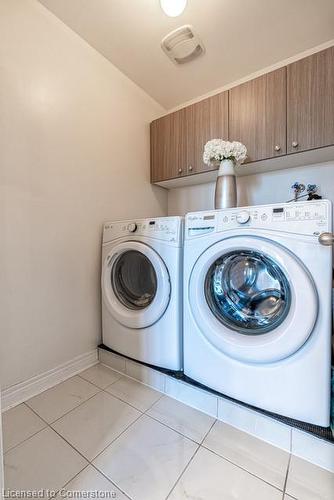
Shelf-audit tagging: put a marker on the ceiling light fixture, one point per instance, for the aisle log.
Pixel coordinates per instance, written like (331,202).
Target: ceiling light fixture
(173,8)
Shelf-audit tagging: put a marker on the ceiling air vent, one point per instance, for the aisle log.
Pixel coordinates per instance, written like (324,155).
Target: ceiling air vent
(182,45)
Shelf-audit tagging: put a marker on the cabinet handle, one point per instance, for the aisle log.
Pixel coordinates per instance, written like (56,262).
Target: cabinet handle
(190,168)
(180,170)
(277,148)
(294,144)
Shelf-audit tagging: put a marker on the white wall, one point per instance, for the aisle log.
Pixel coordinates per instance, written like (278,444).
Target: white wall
(74,151)
(257,189)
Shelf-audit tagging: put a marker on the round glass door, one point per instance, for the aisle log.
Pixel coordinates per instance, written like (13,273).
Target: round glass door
(134,280)
(247,296)
(247,292)
(135,284)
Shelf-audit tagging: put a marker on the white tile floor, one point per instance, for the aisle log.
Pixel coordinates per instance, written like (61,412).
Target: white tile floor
(103,431)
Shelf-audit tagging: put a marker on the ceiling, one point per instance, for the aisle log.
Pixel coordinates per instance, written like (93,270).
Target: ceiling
(240,37)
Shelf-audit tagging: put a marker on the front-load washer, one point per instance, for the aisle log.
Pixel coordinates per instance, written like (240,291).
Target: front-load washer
(142,290)
(257,306)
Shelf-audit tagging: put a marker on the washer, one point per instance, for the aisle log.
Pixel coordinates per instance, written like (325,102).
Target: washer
(257,306)
(142,290)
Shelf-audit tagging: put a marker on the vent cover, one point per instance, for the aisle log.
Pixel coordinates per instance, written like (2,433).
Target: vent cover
(182,45)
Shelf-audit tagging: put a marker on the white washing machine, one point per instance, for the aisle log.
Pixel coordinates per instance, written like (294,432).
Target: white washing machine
(142,290)
(257,306)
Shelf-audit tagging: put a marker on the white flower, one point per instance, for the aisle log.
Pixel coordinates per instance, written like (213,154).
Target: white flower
(217,150)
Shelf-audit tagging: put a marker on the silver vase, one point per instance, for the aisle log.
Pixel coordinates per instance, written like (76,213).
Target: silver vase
(226,186)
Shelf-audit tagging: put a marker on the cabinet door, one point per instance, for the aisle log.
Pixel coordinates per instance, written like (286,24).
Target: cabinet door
(311,102)
(168,150)
(207,119)
(257,115)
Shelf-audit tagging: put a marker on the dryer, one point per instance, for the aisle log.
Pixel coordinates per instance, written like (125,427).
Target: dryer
(257,306)
(142,290)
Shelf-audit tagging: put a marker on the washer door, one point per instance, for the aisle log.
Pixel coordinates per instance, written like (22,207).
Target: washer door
(252,299)
(135,284)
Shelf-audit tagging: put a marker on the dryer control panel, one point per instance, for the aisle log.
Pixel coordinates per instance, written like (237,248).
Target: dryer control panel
(167,229)
(309,218)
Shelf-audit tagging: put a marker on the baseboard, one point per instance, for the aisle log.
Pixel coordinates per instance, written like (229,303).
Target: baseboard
(16,394)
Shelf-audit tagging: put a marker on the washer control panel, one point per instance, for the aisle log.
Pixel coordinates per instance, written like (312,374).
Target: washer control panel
(243,217)
(164,228)
(201,223)
(132,227)
(275,214)
(312,217)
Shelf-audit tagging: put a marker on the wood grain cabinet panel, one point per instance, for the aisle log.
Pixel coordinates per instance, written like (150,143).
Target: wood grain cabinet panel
(310,102)
(257,115)
(178,139)
(168,151)
(207,119)
(285,111)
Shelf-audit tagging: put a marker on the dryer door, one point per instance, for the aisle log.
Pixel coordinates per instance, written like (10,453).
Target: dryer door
(135,284)
(253,299)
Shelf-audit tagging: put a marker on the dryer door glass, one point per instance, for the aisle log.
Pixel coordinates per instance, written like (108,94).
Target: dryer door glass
(134,280)
(248,292)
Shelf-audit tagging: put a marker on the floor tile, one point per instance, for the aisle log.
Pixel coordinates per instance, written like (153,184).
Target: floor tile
(100,375)
(146,460)
(113,360)
(91,480)
(261,426)
(192,423)
(55,402)
(18,424)
(94,424)
(256,456)
(313,449)
(146,375)
(309,482)
(136,394)
(192,396)
(44,461)
(210,477)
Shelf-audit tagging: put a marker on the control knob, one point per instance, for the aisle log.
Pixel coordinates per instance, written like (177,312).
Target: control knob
(243,217)
(132,227)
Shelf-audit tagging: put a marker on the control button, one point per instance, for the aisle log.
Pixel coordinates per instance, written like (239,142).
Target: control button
(264,217)
(132,227)
(243,217)
(225,219)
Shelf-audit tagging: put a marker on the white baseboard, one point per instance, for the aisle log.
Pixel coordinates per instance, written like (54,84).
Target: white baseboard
(16,394)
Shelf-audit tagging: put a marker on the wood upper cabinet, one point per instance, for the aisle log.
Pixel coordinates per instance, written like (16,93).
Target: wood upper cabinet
(257,115)
(178,139)
(310,102)
(168,154)
(285,111)
(207,119)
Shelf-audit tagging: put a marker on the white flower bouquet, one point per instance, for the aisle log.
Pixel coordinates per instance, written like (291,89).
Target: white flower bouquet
(218,150)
